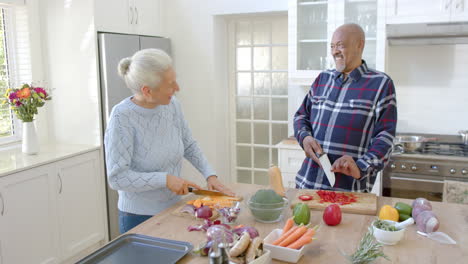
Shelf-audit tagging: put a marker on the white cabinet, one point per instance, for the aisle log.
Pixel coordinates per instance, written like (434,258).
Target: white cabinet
(290,158)
(311,26)
(80,203)
(423,11)
(28,217)
(52,213)
(129,16)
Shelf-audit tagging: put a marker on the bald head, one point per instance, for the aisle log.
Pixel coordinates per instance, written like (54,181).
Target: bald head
(347,46)
(352,30)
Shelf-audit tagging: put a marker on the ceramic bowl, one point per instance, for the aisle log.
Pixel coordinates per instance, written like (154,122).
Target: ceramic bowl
(388,237)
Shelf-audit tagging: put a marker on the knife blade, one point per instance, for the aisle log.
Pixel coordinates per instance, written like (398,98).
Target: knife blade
(206,192)
(326,166)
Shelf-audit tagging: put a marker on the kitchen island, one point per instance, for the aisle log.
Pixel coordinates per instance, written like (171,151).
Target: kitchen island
(413,248)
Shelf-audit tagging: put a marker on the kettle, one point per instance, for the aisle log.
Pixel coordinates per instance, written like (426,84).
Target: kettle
(464,135)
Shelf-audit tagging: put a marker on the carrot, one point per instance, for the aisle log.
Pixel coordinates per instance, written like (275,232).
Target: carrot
(197,203)
(294,236)
(285,235)
(289,224)
(303,240)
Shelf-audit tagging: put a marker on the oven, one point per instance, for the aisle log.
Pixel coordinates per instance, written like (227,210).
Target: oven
(412,176)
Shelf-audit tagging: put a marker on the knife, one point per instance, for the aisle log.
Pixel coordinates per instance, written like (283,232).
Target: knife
(326,166)
(206,192)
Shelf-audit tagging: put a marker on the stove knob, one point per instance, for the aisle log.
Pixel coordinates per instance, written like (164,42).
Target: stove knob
(452,171)
(403,166)
(393,166)
(414,168)
(464,172)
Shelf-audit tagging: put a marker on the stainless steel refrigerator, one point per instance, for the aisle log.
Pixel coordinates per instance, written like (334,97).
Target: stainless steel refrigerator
(113,48)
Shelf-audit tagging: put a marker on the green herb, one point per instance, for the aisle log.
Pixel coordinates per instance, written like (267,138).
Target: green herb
(384,225)
(368,250)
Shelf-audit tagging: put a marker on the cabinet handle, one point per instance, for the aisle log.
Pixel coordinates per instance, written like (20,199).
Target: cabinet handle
(137,15)
(60,186)
(3,204)
(132,14)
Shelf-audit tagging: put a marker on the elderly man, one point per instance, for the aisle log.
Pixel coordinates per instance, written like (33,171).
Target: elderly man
(350,114)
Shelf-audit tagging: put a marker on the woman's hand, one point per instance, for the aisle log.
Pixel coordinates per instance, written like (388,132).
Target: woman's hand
(178,185)
(347,166)
(215,184)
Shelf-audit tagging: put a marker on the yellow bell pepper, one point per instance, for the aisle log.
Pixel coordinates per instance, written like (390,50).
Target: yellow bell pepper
(387,212)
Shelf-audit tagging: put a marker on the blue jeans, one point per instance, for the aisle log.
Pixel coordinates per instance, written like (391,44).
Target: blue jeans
(128,221)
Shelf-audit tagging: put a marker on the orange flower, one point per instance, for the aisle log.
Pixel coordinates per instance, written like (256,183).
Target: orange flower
(24,93)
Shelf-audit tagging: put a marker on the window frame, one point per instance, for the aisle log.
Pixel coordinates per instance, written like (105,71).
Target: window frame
(232,60)
(10,37)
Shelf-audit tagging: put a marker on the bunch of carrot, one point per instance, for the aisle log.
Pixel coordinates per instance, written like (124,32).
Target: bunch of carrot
(295,236)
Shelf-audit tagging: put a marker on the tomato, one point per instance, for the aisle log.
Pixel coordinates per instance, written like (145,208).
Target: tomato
(306,197)
(332,215)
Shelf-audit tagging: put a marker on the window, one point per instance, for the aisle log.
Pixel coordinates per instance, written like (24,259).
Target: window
(15,64)
(259,78)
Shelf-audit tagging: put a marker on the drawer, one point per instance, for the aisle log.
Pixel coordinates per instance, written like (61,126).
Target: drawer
(289,180)
(290,161)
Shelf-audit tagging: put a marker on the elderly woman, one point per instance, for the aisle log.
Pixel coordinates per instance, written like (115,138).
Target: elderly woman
(146,140)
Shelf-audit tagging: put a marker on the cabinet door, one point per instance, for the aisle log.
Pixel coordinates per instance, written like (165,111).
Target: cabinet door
(309,25)
(148,17)
(114,16)
(28,219)
(418,11)
(81,210)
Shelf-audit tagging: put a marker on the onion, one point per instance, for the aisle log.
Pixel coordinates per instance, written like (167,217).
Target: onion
(220,233)
(204,212)
(427,222)
(421,201)
(188,208)
(253,233)
(419,209)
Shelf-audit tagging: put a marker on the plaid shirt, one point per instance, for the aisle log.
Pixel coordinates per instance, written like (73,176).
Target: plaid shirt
(356,117)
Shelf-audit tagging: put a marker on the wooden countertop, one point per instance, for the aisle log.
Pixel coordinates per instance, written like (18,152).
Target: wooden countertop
(413,248)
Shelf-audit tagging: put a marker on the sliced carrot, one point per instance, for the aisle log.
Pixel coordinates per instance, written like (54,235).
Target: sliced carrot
(197,203)
(289,224)
(190,202)
(303,240)
(294,236)
(285,235)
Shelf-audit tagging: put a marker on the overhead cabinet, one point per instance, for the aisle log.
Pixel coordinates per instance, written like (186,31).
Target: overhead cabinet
(423,11)
(311,26)
(129,16)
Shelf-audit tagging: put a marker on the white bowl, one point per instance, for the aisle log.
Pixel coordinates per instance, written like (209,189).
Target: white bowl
(282,253)
(388,237)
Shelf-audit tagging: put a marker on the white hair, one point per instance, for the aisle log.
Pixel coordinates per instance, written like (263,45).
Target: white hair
(144,68)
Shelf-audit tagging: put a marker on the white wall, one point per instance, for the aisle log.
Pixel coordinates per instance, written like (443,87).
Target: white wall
(69,49)
(198,30)
(432,87)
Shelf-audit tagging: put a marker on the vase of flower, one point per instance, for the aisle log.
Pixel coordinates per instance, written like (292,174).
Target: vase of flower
(30,144)
(24,102)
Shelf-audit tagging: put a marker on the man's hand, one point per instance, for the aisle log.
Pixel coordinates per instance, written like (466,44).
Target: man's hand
(215,184)
(347,166)
(178,185)
(312,148)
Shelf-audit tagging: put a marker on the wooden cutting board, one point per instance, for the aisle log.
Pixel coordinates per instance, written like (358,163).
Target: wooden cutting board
(178,210)
(366,203)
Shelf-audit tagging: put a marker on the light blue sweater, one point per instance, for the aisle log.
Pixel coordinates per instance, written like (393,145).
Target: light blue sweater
(144,145)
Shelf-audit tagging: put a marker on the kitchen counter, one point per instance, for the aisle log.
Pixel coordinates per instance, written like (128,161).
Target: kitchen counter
(412,249)
(13,160)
